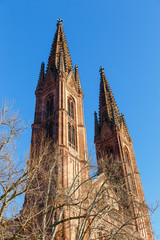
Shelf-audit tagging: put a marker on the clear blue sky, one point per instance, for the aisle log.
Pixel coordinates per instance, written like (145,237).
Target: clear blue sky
(121,35)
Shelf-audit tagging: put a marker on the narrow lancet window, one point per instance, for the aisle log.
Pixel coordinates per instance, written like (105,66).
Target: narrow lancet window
(69,132)
(69,109)
(50,107)
(72,111)
(73,136)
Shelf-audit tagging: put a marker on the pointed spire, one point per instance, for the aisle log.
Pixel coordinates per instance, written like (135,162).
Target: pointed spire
(77,78)
(41,75)
(96,126)
(59,45)
(108,110)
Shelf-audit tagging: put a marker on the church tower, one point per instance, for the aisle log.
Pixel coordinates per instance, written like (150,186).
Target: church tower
(59,112)
(59,121)
(113,141)
(59,101)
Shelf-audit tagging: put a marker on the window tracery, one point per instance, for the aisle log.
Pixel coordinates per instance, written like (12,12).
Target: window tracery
(70,108)
(71,122)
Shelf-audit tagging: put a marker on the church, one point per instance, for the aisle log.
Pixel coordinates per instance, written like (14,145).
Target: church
(108,204)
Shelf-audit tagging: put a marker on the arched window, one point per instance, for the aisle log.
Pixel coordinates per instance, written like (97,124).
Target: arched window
(73,136)
(72,110)
(71,122)
(127,156)
(69,132)
(69,108)
(50,107)
(49,130)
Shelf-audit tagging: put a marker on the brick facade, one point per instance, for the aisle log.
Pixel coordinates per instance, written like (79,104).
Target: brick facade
(59,115)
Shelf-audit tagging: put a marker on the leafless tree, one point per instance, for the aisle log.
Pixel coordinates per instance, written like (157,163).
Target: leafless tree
(12,174)
(97,206)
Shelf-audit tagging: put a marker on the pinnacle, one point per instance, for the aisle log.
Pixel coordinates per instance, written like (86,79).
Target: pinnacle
(77,78)
(41,75)
(125,126)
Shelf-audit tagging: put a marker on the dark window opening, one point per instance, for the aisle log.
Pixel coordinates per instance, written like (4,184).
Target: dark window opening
(72,113)
(70,109)
(50,107)
(69,132)
(73,136)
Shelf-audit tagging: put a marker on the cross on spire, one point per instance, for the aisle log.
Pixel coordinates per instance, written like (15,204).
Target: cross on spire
(59,21)
(101,69)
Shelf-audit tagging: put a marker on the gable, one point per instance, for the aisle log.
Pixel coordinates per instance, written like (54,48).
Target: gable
(71,82)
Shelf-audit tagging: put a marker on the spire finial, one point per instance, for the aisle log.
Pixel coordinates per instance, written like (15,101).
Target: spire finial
(101,69)
(59,21)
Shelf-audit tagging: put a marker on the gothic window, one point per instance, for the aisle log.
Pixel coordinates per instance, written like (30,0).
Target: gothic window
(73,136)
(126,156)
(71,122)
(69,132)
(71,108)
(50,107)
(49,130)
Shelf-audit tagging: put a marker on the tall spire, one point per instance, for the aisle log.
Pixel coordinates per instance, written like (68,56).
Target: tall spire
(41,76)
(108,110)
(59,45)
(77,78)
